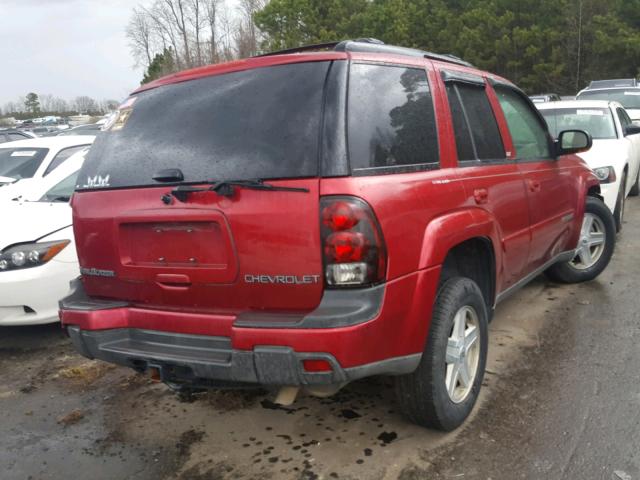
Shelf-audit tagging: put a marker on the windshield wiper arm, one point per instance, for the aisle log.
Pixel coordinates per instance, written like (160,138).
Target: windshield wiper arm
(59,198)
(226,188)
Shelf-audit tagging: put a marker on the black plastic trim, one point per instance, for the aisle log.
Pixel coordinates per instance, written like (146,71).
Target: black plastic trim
(77,299)
(338,308)
(198,360)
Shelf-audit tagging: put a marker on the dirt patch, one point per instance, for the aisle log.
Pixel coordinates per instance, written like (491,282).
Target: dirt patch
(205,471)
(71,418)
(187,439)
(87,373)
(231,400)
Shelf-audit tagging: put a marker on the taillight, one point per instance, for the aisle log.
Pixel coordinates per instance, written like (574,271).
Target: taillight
(353,247)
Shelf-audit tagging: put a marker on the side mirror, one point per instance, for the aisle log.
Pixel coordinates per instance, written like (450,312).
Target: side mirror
(632,129)
(573,141)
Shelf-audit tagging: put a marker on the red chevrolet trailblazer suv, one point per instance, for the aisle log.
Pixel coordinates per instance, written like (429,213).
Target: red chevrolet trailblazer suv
(305,219)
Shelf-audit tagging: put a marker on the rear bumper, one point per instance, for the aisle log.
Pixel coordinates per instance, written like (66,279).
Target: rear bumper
(203,360)
(356,334)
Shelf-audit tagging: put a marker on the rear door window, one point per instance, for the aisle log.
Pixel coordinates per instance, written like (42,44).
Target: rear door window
(391,120)
(61,156)
(262,123)
(475,127)
(625,121)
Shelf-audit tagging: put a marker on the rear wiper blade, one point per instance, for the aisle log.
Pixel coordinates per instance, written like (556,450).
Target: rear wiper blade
(226,188)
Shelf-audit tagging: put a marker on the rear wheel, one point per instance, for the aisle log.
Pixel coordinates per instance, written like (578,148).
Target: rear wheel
(442,391)
(595,247)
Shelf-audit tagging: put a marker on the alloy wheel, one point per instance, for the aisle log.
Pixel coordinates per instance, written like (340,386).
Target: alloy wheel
(592,242)
(463,353)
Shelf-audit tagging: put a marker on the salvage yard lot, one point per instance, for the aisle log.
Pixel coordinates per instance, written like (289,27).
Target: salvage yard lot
(561,379)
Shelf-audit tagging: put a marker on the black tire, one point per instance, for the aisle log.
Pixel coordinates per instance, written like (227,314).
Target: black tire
(635,190)
(422,395)
(618,212)
(566,272)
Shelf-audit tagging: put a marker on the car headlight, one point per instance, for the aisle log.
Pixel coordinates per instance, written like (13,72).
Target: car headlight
(29,255)
(605,174)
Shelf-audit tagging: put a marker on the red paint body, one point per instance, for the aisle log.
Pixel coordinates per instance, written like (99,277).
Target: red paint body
(520,207)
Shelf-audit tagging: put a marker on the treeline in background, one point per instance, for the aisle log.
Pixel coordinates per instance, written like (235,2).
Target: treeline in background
(542,45)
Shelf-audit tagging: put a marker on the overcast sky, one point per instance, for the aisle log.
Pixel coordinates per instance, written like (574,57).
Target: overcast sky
(66,48)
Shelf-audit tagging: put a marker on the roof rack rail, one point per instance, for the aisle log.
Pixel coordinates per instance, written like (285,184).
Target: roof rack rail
(371,45)
(304,48)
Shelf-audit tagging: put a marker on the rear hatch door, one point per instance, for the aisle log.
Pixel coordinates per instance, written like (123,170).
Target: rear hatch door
(250,250)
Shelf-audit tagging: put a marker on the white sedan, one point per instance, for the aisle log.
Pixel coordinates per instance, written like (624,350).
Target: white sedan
(615,155)
(25,163)
(37,250)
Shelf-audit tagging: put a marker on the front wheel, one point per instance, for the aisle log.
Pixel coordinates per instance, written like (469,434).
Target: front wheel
(595,247)
(442,391)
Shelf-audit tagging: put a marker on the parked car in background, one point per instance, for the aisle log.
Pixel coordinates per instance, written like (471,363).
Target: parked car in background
(615,154)
(342,214)
(89,129)
(26,162)
(12,135)
(625,91)
(544,97)
(37,250)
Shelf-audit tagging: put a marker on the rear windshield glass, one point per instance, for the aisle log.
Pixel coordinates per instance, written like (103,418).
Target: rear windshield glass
(260,123)
(596,121)
(21,162)
(628,98)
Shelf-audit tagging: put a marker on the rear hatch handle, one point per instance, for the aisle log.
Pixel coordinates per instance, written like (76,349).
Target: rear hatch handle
(170,281)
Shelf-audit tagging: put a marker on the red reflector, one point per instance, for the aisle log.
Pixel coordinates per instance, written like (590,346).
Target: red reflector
(345,247)
(316,366)
(339,216)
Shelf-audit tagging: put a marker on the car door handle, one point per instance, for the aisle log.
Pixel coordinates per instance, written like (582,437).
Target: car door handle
(534,186)
(481,195)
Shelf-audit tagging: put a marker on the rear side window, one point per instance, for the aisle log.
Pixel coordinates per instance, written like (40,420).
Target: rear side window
(61,157)
(391,121)
(475,127)
(527,131)
(625,121)
(259,123)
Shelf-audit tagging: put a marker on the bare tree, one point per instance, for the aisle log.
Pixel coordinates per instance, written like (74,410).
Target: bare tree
(139,31)
(46,102)
(246,32)
(59,105)
(176,9)
(212,8)
(85,104)
(196,31)
(164,29)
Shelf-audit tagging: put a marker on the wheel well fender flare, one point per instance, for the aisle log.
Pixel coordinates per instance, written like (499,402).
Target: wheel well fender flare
(449,230)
